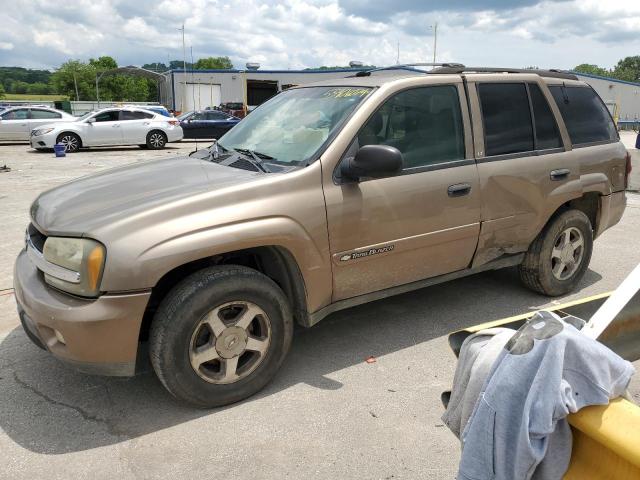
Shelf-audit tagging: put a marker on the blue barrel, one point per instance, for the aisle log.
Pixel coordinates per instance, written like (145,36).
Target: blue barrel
(638,141)
(60,150)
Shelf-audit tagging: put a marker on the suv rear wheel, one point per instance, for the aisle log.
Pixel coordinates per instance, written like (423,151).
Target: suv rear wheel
(559,256)
(220,335)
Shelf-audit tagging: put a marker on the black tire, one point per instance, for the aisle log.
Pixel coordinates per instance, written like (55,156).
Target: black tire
(156,140)
(179,315)
(536,271)
(70,140)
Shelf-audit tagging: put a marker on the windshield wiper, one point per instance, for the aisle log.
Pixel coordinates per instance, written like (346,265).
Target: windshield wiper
(256,155)
(252,157)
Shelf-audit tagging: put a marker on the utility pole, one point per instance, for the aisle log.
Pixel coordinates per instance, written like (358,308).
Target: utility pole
(184,70)
(75,82)
(435,40)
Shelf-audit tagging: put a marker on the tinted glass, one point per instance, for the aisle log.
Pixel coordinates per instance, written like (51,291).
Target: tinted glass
(43,114)
(134,115)
(198,116)
(506,117)
(216,116)
(19,114)
(110,116)
(586,117)
(547,134)
(425,124)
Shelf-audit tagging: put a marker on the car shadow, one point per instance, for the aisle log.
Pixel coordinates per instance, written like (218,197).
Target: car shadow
(105,149)
(49,408)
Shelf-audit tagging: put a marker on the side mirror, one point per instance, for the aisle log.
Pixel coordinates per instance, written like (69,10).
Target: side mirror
(372,161)
(92,120)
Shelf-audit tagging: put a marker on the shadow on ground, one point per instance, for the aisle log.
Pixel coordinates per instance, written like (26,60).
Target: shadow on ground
(51,409)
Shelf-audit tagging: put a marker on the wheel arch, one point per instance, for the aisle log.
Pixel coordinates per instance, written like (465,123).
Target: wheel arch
(274,261)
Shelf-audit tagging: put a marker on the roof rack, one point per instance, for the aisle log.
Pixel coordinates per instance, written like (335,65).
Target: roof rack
(553,73)
(404,66)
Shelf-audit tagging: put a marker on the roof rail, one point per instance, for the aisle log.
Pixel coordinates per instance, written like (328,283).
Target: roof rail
(553,73)
(366,73)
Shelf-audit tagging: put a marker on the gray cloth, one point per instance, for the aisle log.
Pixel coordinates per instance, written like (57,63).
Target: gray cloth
(477,355)
(547,370)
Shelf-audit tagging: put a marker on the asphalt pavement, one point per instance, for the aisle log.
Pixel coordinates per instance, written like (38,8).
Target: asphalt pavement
(327,414)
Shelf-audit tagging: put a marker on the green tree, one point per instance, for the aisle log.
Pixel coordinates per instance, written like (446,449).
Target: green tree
(155,67)
(591,69)
(39,88)
(628,69)
(1,91)
(72,73)
(213,63)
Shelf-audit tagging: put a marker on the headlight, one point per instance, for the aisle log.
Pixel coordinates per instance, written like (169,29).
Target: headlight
(41,131)
(80,255)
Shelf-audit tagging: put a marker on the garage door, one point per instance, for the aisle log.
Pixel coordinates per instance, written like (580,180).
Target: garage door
(202,95)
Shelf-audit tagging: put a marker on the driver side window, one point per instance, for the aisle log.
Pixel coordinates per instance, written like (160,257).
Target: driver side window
(425,124)
(110,116)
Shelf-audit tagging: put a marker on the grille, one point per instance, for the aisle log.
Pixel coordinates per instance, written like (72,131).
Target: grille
(37,238)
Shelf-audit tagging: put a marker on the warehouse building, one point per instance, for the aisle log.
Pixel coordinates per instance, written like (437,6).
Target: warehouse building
(198,89)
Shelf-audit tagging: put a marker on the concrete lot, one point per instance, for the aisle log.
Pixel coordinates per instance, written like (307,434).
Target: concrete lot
(328,414)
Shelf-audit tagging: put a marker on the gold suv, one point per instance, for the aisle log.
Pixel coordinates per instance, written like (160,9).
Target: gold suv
(327,196)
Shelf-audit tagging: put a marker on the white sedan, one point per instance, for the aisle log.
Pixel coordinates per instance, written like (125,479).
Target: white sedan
(109,126)
(17,122)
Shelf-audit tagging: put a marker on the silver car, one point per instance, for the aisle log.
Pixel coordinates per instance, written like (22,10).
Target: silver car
(109,126)
(17,122)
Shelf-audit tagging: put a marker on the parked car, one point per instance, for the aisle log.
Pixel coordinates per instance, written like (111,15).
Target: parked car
(109,126)
(153,108)
(233,108)
(327,196)
(17,122)
(206,123)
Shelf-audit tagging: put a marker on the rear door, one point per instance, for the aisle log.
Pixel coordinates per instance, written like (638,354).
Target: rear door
(106,130)
(15,124)
(422,223)
(135,126)
(525,172)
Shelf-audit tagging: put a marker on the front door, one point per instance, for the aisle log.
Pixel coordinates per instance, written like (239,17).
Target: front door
(421,223)
(106,130)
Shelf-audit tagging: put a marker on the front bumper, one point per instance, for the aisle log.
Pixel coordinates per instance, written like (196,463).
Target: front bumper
(47,140)
(97,336)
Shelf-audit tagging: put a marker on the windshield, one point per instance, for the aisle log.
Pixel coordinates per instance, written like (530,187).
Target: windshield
(184,115)
(293,125)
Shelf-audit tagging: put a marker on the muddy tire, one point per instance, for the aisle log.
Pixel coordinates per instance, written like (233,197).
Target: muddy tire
(560,255)
(220,335)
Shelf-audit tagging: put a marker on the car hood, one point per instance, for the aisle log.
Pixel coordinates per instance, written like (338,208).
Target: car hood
(84,205)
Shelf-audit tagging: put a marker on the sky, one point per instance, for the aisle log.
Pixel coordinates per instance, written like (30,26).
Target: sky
(297,34)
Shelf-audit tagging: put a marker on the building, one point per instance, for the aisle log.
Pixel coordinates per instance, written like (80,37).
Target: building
(198,89)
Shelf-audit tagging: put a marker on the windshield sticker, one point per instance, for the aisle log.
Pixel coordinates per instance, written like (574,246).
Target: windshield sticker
(346,92)
(366,253)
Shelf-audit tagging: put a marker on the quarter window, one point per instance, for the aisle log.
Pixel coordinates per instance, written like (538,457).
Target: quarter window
(506,117)
(547,134)
(586,117)
(425,124)
(44,114)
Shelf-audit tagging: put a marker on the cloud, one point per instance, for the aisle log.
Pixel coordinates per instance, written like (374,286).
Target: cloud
(306,33)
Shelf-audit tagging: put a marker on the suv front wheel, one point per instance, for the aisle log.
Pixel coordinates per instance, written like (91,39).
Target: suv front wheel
(220,335)
(558,258)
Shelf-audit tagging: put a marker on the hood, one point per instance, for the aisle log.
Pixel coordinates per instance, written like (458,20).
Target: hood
(82,205)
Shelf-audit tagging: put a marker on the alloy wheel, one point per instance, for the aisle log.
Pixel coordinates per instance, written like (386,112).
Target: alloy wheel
(70,143)
(567,253)
(157,140)
(230,342)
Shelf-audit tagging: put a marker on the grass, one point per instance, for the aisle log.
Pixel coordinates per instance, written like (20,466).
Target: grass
(30,97)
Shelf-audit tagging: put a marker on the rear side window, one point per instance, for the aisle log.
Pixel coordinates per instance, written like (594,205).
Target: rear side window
(586,117)
(43,114)
(547,134)
(506,117)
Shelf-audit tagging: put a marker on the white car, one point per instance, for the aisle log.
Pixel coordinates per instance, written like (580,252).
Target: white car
(17,122)
(109,126)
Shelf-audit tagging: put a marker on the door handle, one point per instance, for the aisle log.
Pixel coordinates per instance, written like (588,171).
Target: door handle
(115,126)
(560,174)
(459,189)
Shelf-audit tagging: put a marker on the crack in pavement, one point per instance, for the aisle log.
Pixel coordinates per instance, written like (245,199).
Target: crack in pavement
(111,429)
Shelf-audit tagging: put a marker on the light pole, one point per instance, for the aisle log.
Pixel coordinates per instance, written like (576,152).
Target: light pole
(184,70)
(435,40)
